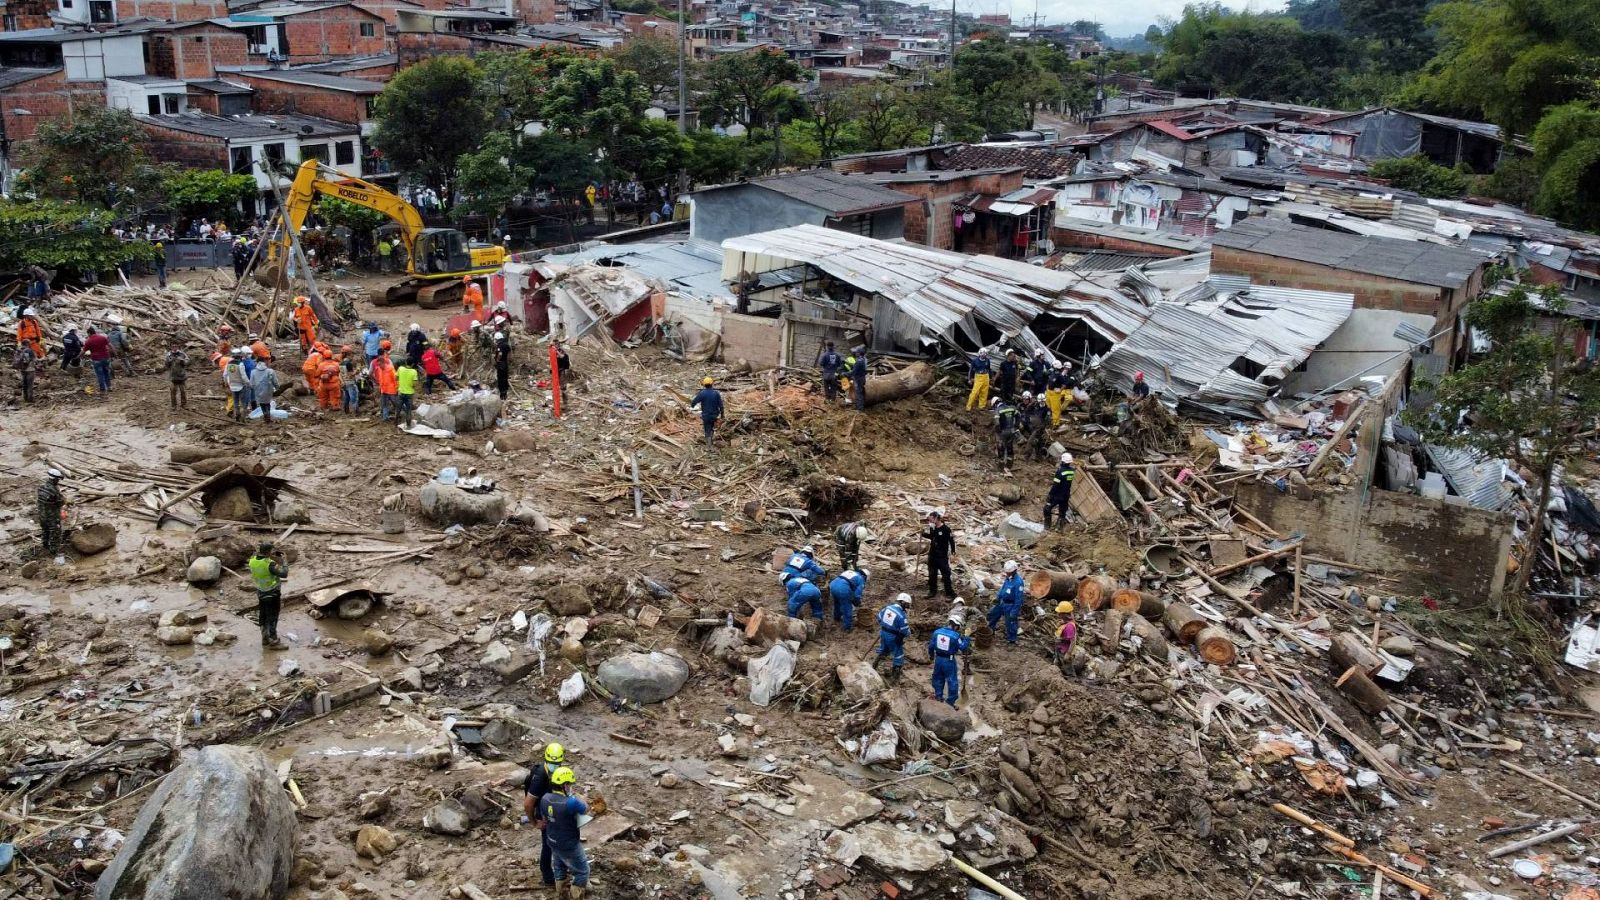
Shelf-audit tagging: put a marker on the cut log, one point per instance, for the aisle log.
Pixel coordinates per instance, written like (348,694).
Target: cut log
(908,382)
(1183,622)
(1349,650)
(1215,646)
(1142,602)
(1360,690)
(1047,585)
(1111,630)
(1094,591)
(1152,641)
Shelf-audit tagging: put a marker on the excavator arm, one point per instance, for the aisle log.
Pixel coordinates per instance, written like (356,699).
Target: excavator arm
(314,178)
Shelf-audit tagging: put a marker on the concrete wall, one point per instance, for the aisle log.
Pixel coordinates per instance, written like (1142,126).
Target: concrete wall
(1364,343)
(747,209)
(1425,544)
(756,339)
(1371,291)
(98,59)
(929,221)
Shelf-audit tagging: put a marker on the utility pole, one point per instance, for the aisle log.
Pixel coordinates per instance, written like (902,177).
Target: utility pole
(683,87)
(952,35)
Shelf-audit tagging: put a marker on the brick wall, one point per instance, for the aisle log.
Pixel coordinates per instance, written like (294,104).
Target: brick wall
(1078,240)
(325,34)
(196,52)
(940,196)
(171,10)
(191,150)
(280,97)
(1371,291)
(30,13)
(46,100)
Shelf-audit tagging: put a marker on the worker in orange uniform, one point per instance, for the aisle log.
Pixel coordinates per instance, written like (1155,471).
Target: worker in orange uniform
(259,349)
(29,332)
(305,322)
(330,387)
(312,368)
(471,298)
(388,382)
(225,340)
(455,347)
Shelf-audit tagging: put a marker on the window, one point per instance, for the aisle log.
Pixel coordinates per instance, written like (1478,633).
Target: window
(273,153)
(154,103)
(344,153)
(241,162)
(101,12)
(9,22)
(318,152)
(368,30)
(372,106)
(66,4)
(172,104)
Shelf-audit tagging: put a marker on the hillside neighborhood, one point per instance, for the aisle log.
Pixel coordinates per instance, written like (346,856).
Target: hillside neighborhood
(744,449)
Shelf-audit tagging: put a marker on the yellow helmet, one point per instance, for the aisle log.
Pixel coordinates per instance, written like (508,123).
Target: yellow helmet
(554,753)
(706,381)
(1064,607)
(562,776)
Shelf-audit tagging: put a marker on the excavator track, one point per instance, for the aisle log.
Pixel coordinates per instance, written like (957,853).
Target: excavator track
(426,294)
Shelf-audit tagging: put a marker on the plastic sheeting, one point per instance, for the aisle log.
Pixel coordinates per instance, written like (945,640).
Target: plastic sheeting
(1389,135)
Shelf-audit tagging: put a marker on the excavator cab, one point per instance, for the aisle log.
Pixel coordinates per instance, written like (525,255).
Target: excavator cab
(442,251)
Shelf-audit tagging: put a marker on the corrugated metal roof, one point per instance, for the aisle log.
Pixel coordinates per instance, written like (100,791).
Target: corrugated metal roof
(690,267)
(1416,262)
(828,190)
(1478,479)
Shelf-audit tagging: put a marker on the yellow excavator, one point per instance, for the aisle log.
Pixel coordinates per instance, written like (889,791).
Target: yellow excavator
(437,259)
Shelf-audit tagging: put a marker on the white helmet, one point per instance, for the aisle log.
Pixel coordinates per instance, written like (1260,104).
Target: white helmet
(959,602)
(55,474)
(808,550)
(862,534)
(1027,395)
(500,305)
(1011,566)
(476,324)
(956,619)
(1038,353)
(1066,457)
(865,575)
(995,402)
(903,598)
(415,327)
(30,311)
(499,335)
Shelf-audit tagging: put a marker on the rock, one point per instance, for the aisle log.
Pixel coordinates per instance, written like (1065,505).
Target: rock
(434,757)
(569,600)
(448,818)
(525,513)
(290,511)
(507,440)
(409,678)
(204,570)
(496,653)
(174,635)
(859,680)
(91,539)
(947,723)
(724,643)
(211,635)
(474,570)
(232,505)
(899,851)
(1020,531)
(173,617)
(461,412)
(572,651)
(447,504)
(1398,644)
(218,826)
(644,677)
(373,804)
(374,842)
(572,690)
(669,780)
(1006,492)
(518,662)
(958,813)
(1019,780)
(843,847)
(833,802)
(376,641)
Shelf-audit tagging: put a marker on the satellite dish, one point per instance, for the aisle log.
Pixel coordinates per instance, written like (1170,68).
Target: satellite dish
(306,130)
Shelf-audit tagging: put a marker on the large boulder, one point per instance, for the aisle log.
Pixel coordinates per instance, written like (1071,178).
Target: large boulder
(461,412)
(232,505)
(447,504)
(644,677)
(899,851)
(859,680)
(290,511)
(218,826)
(946,722)
(91,539)
(204,570)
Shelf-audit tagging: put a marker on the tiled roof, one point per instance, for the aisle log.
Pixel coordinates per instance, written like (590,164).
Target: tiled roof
(1035,163)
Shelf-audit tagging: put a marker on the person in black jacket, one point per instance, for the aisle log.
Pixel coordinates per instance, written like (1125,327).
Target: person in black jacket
(536,786)
(941,543)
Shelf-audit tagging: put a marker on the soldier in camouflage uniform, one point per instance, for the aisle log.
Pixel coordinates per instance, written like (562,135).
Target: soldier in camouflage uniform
(50,504)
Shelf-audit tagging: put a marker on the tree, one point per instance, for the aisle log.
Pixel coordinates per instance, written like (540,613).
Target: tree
(359,219)
(881,114)
(431,114)
(831,114)
(1416,173)
(489,177)
(517,81)
(207,193)
(1529,400)
(99,157)
(1268,57)
(715,158)
(1317,15)
(73,237)
(740,86)
(653,59)
(1398,26)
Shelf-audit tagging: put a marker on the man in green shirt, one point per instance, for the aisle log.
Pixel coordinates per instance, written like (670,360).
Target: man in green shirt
(268,571)
(406,379)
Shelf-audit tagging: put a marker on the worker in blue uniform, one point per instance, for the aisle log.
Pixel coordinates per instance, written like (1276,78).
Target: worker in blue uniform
(804,562)
(893,629)
(1009,367)
(803,593)
(847,588)
(1060,497)
(945,644)
(1008,601)
(830,362)
(858,376)
(1038,374)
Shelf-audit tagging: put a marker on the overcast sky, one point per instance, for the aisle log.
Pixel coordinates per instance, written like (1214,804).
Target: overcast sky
(1119,18)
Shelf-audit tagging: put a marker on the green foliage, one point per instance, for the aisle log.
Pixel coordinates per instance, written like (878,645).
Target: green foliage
(653,59)
(1515,180)
(715,158)
(1267,57)
(1004,82)
(68,236)
(740,86)
(1317,15)
(643,7)
(1397,27)
(99,157)
(431,114)
(489,177)
(207,193)
(1526,401)
(1570,188)
(559,165)
(1416,173)
(359,219)
(516,81)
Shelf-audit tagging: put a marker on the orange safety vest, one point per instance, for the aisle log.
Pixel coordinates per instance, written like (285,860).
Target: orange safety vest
(305,317)
(310,366)
(28,332)
(260,349)
(475,295)
(329,373)
(383,371)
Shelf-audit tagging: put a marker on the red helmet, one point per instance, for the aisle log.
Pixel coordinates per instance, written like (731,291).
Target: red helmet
(385,344)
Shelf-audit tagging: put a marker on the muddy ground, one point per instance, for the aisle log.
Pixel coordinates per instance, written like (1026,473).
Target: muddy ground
(1108,764)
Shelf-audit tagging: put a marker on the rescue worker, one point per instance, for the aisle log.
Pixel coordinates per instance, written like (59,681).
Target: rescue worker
(560,809)
(405,382)
(709,402)
(1008,601)
(1140,389)
(803,562)
(52,509)
(416,338)
(1038,374)
(847,590)
(979,370)
(802,593)
(500,317)
(848,538)
(29,332)
(330,387)
(27,366)
(98,346)
(176,365)
(830,361)
(305,323)
(350,377)
(267,570)
(372,337)
(72,353)
(1060,497)
(958,612)
(534,787)
(385,256)
(1058,392)
(941,543)
(945,644)
(263,387)
(1005,431)
(455,349)
(1066,631)
(225,340)
(433,369)
(482,342)
(311,368)
(241,258)
(123,345)
(1031,422)
(502,364)
(259,349)
(893,629)
(237,379)
(388,384)
(1008,376)
(471,298)
(858,377)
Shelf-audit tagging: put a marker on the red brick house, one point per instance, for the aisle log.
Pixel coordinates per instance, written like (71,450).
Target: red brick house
(195,50)
(332,97)
(171,10)
(932,221)
(296,33)
(31,97)
(24,15)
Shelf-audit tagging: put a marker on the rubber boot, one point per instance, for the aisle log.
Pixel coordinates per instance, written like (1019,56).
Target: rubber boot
(894,675)
(564,889)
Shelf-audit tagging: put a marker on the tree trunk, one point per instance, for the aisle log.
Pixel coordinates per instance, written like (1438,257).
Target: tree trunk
(1183,622)
(1111,630)
(1134,601)
(1047,585)
(1519,589)
(1152,641)
(1349,650)
(1215,646)
(1361,691)
(908,382)
(1094,591)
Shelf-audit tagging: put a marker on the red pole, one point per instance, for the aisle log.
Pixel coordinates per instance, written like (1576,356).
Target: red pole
(555,379)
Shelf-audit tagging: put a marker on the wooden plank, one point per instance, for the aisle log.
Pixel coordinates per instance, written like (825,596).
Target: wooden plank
(1091,504)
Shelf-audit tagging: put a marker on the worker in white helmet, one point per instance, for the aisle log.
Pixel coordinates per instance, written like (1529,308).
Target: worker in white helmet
(1008,601)
(1060,497)
(893,629)
(848,538)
